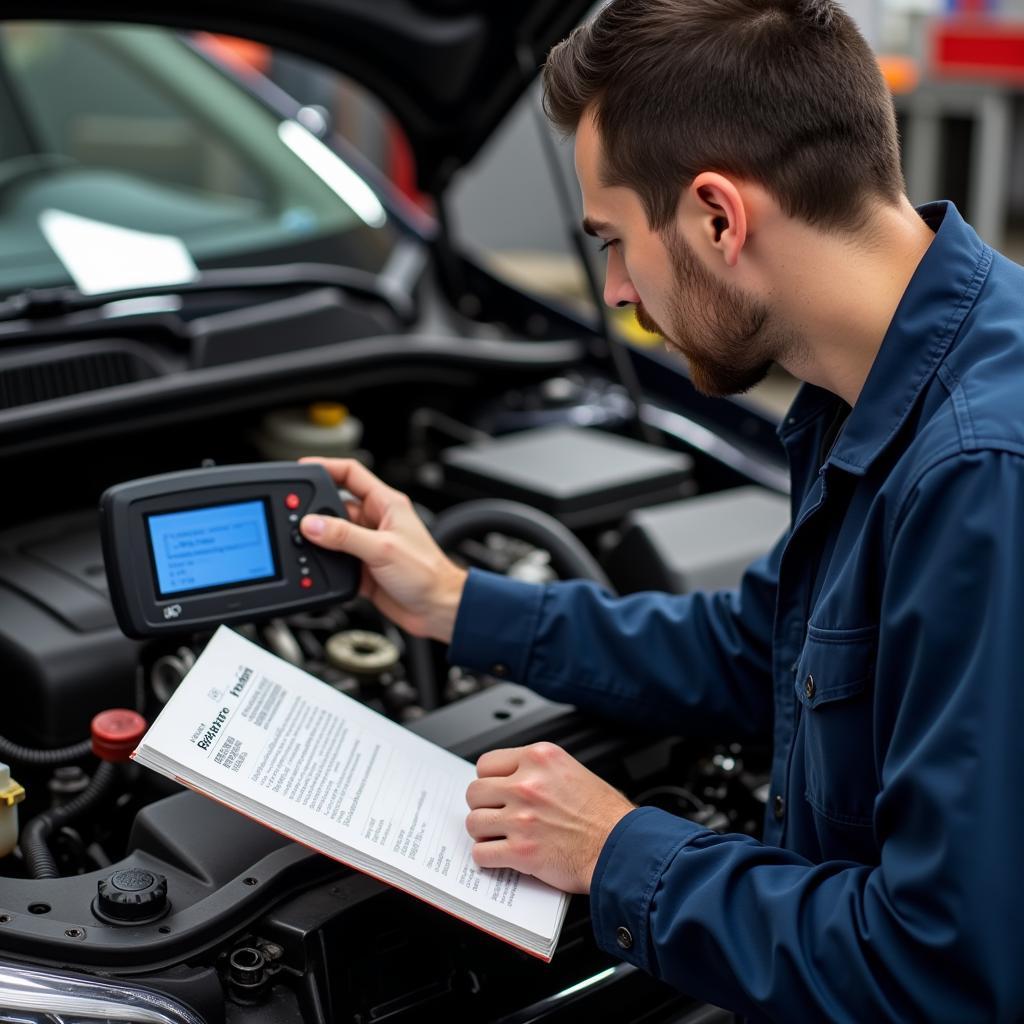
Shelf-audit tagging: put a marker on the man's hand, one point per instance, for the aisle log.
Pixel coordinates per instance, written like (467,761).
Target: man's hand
(405,574)
(538,810)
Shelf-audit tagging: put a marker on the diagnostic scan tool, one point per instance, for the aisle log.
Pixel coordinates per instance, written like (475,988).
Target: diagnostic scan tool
(189,551)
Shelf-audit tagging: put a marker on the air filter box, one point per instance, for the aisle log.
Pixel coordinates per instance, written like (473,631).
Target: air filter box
(580,476)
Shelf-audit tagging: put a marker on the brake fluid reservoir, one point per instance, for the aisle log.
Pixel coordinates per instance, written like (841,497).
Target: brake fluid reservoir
(323,428)
(11,794)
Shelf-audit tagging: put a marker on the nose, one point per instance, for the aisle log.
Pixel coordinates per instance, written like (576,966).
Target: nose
(618,288)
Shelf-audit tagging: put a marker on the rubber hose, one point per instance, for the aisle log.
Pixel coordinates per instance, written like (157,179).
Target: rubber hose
(28,755)
(570,558)
(35,835)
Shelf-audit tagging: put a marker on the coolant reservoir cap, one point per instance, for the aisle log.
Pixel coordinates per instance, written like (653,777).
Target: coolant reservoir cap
(131,896)
(327,414)
(116,733)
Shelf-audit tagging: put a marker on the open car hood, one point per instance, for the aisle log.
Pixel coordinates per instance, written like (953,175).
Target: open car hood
(448,69)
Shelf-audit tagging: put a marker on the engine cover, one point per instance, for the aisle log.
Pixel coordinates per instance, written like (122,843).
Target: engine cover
(63,655)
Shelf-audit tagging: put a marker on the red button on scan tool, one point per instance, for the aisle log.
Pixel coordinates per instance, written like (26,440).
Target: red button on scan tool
(116,733)
(305,583)
(292,501)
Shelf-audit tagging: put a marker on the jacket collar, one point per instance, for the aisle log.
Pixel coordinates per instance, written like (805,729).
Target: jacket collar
(926,322)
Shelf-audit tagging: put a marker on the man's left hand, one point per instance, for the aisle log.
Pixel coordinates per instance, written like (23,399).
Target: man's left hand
(538,810)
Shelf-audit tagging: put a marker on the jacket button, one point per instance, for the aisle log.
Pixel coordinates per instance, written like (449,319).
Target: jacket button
(809,687)
(778,807)
(624,938)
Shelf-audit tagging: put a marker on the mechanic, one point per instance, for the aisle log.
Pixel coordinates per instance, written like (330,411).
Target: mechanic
(739,160)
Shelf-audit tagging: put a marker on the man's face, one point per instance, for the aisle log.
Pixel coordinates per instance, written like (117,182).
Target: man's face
(726,335)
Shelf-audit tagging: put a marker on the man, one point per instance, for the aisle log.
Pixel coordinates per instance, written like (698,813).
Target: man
(738,158)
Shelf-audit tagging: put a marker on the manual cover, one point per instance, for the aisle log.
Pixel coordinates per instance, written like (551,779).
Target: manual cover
(273,742)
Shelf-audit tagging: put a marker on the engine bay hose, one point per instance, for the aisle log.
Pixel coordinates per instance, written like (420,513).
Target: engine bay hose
(570,558)
(34,843)
(29,755)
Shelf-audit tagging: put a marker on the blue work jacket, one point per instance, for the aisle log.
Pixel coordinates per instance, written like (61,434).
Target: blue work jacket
(881,645)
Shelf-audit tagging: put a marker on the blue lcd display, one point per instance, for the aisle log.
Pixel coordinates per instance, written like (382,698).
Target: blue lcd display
(217,546)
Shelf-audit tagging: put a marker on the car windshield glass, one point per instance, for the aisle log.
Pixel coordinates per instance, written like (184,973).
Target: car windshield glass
(132,128)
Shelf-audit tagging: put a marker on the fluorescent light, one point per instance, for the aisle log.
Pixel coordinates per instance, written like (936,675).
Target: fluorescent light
(333,172)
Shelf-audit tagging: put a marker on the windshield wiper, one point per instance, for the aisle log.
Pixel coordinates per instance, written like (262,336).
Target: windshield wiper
(40,303)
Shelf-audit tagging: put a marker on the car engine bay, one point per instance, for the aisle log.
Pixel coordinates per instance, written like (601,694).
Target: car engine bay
(520,456)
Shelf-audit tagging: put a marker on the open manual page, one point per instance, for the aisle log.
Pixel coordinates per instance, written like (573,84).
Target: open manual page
(277,744)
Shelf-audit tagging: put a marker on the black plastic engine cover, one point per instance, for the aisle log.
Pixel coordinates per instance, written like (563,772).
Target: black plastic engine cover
(580,476)
(64,657)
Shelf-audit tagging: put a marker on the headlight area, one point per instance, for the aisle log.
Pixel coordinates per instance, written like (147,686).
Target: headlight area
(29,995)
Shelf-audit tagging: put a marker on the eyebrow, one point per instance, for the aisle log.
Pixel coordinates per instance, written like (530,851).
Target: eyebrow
(595,228)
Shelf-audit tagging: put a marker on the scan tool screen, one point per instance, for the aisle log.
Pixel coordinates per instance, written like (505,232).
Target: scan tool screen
(212,547)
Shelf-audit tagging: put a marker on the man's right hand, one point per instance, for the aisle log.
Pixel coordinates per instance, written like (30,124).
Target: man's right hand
(405,574)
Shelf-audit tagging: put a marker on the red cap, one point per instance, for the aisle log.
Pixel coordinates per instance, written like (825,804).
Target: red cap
(116,733)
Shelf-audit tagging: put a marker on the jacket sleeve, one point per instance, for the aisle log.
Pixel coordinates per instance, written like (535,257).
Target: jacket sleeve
(934,931)
(700,661)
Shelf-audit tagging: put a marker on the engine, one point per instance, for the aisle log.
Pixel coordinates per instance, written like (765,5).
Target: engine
(124,875)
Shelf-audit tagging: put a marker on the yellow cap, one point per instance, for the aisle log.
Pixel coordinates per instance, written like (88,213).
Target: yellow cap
(327,414)
(11,794)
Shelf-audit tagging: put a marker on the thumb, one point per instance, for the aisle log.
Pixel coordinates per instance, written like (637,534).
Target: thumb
(337,534)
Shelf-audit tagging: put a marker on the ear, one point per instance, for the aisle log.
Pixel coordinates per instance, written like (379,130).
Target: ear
(721,214)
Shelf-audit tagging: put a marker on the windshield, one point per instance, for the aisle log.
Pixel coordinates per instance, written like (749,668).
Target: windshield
(133,129)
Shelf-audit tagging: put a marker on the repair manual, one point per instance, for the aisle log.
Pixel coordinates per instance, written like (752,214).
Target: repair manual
(275,743)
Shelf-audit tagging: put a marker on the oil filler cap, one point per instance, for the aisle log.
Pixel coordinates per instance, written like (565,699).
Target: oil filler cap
(131,896)
(116,733)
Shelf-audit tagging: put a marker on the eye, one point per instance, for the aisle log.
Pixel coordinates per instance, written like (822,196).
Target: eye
(611,241)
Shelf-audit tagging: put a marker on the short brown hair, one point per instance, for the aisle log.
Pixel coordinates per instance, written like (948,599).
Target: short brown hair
(786,93)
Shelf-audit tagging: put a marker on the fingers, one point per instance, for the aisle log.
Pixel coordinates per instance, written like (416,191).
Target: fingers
(338,534)
(350,474)
(499,762)
(495,853)
(485,793)
(538,810)
(376,499)
(354,477)
(485,823)
(510,759)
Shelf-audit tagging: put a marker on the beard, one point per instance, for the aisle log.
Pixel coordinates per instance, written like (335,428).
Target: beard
(726,336)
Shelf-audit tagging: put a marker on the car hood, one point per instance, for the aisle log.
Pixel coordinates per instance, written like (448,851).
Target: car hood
(448,69)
